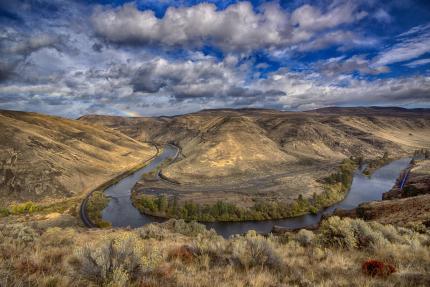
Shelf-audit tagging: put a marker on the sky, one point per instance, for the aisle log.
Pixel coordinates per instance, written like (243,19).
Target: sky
(149,58)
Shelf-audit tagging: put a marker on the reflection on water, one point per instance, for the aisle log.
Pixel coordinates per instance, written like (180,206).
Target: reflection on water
(121,213)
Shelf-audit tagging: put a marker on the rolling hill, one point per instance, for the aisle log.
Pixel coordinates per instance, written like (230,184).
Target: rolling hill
(44,158)
(252,153)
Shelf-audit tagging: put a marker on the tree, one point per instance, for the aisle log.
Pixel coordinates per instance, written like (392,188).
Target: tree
(162,203)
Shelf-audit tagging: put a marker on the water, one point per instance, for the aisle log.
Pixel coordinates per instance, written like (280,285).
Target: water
(121,213)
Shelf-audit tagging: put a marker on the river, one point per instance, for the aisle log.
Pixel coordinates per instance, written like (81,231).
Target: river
(121,213)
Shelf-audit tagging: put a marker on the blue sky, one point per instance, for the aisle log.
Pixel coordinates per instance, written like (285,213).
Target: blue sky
(165,57)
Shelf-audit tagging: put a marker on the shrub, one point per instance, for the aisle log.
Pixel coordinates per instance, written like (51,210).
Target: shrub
(389,232)
(152,231)
(366,236)
(160,231)
(304,237)
(337,232)
(55,236)
(377,268)
(26,207)
(19,232)
(4,212)
(114,261)
(95,205)
(255,251)
(184,253)
(192,228)
(210,245)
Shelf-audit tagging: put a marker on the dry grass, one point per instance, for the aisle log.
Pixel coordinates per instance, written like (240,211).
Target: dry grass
(333,256)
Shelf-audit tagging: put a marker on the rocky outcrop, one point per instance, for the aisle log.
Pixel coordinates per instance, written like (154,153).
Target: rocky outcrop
(416,181)
(399,211)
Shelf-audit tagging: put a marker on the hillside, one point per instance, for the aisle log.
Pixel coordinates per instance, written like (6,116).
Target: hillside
(247,154)
(44,158)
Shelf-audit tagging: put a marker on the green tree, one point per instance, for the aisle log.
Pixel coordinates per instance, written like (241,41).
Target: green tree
(162,203)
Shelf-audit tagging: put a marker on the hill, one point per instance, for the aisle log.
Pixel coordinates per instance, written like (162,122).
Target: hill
(44,158)
(253,154)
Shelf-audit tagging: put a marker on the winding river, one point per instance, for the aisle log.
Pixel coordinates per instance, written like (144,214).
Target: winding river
(121,213)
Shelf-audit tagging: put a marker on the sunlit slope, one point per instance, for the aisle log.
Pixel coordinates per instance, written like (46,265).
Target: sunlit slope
(45,157)
(232,145)
(249,143)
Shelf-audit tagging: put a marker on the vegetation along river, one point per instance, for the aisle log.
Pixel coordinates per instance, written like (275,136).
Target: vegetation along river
(121,213)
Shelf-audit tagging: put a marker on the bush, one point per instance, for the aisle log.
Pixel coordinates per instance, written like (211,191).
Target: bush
(256,251)
(19,232)
(389,232)
(152,231)
(4,212)
(114,261)
(55,236)
(366,236)
(184,253)
(304,237)
(212,246)
(192,228)
(337,232)
(95,205)
(160,231)
(377,268)
(21,208)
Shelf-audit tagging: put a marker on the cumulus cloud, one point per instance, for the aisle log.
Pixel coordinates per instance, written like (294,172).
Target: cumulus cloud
(124,61)
(16,48)
(237,28)
(309,17)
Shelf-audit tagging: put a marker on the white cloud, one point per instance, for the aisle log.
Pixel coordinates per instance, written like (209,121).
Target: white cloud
(417,63)
(311,18)
(338,66)
(50,73)
(411,45)
(306,91)
(382,16)
(237,28)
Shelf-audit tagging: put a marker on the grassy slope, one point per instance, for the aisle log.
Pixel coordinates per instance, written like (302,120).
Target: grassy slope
(243,155)
(46,158)
(175,254)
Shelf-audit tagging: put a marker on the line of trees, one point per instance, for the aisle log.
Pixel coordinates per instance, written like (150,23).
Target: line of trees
(335,187)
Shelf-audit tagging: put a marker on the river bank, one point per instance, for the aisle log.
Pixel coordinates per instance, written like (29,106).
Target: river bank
(121,212)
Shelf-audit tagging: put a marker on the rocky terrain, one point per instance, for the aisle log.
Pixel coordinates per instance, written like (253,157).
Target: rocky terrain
(251,154)
(45,158)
